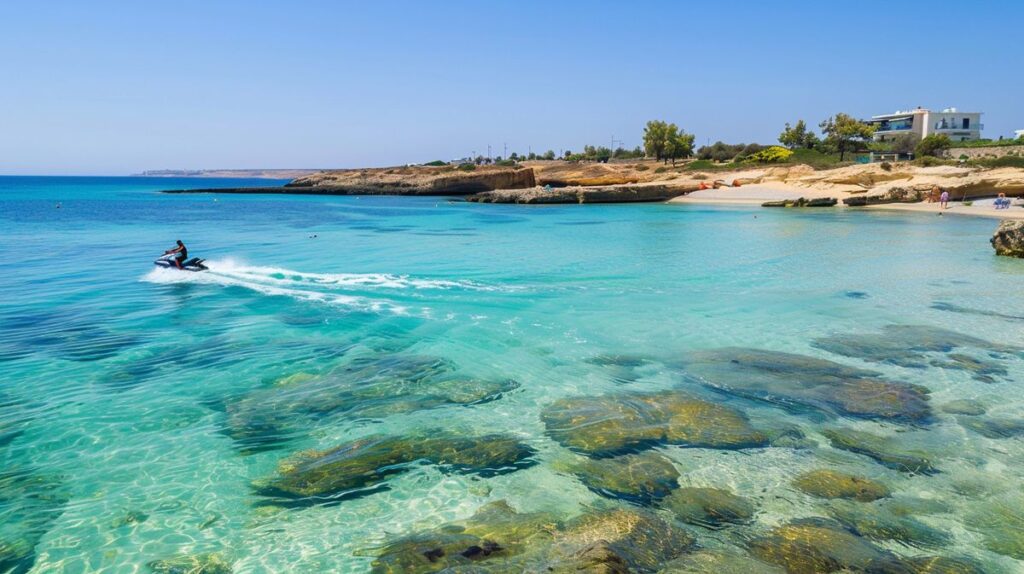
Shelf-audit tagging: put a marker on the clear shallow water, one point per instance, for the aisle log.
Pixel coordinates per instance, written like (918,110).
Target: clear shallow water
(118,380)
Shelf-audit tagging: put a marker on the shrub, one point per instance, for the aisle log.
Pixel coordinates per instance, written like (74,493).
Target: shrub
(886,166)
(506,162)
(661,169)
(467,166)
(641,167)
(964,157)
(932,145)
(772,154)
(968,203)
(436,163)
(1005,161)
(930,161)
(814,158)
(700,164)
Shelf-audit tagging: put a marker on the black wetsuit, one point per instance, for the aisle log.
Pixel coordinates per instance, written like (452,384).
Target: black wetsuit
(183,254)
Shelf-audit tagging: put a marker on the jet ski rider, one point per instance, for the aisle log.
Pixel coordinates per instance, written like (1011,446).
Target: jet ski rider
(181,254)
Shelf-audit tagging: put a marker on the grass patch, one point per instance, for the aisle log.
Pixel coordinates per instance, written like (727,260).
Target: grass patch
(988,143)
(1005,161)
(436,163)
(929,161)
(467,166)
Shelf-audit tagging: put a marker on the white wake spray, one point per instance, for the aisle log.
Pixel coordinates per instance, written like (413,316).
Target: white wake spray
(328,288)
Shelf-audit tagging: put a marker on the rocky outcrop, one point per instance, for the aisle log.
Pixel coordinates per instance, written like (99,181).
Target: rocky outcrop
(803,202)
(1009,238)
(420,180)
(592,194)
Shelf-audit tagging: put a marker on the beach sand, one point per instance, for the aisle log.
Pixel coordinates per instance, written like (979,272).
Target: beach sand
(777,191)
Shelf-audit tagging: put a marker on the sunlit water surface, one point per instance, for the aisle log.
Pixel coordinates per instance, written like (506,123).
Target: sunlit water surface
(117,379)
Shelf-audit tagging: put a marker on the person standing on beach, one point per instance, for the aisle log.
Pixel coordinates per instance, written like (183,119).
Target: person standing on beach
(944,200)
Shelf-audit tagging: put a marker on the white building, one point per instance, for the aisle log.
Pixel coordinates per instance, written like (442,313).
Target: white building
(1019,133)
(959,126)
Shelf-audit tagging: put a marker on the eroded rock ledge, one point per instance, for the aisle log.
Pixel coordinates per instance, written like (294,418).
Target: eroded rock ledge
(592,194)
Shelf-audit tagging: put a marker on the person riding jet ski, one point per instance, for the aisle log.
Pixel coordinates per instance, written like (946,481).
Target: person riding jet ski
(180,254)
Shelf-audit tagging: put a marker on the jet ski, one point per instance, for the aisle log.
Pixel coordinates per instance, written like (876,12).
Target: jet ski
(194,264)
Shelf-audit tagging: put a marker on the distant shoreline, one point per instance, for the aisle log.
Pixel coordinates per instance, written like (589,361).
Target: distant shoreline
(229,173)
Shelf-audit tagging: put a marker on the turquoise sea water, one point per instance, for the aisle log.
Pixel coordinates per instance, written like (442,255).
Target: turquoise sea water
(119,382)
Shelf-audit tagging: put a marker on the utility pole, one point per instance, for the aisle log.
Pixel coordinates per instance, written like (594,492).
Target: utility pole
(504,151)
(488,151)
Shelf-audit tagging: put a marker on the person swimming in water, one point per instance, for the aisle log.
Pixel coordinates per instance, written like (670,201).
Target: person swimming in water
(180,254)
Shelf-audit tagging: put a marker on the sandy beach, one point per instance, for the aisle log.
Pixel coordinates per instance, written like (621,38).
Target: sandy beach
(778,191)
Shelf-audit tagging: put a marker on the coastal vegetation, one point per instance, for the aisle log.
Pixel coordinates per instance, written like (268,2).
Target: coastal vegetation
(933,145)
(845,133)
(665,141)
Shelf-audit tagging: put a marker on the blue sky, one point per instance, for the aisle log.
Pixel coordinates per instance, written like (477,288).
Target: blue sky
(117,87)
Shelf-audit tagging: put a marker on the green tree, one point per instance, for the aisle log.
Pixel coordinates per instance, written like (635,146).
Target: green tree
(845,133)
(549,155)
(796,136)
(905,143)
(655,138)
(665,141)
(680,144)
(932,145)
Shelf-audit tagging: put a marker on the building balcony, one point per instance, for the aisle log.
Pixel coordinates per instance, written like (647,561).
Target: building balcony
(893,128)
(960,128)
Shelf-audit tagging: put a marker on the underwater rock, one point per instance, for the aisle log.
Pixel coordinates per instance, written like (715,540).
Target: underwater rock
(788,436)
(16,556)
(883,450)
(211,563)
(825,483)
(797,381)
(366,388)
(641,538)
(964,407)
(352,468)
(1000,522)
(994,428)
(642,478)
(709,507)
(816,545)
(596,558)
(130,518)
(910,345)
(612,360)
(718,562)
(876,521)
(941,565)
(494,534)
(497,539)
(610,424)
(943,306)
(29,504)
(986,372)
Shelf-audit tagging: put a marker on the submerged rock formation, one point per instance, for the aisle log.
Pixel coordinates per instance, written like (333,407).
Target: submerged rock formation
(886,451)
(918,347)
(358,467)
(1008,238)
(612,424)
(877,521)
(709,507)
(800,382)
(211,563)
(370,387)
(499,539)
(644,477)
(29,503)
(817,545)
(826,483)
